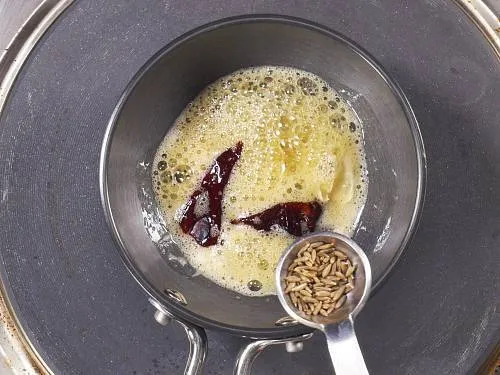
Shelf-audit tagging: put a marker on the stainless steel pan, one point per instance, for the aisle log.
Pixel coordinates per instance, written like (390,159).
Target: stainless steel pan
(157,95)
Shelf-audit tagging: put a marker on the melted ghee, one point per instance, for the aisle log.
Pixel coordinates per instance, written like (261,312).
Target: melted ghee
(301,142)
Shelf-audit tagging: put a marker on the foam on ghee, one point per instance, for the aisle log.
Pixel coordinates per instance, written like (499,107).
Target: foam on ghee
(301,142)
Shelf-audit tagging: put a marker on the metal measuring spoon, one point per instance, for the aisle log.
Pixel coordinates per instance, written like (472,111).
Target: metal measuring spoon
(338,326)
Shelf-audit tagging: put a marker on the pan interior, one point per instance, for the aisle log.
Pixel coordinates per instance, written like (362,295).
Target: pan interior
(175,76)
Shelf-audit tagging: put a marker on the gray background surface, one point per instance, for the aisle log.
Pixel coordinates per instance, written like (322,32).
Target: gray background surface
(437,314)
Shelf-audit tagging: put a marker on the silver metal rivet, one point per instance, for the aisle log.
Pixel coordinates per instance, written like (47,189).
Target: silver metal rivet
(162,318)
(294,346)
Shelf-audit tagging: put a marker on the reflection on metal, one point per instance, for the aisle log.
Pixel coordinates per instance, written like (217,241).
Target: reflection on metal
(176,296)
(13,356)
(485,19)
(286,321)
(294,346)
(25,40)
(162,318)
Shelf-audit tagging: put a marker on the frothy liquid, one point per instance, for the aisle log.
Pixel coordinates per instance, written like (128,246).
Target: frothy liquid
(301,142)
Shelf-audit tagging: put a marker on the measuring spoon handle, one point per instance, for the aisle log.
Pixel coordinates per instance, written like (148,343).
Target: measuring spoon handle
(344,349)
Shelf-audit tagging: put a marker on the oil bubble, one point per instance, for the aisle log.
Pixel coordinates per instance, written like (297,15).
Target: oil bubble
(166,177)
(308,86)
(289,89)
(162,165)
(263,264)
(335,120)
(254,285)
(332,104)
(182,173)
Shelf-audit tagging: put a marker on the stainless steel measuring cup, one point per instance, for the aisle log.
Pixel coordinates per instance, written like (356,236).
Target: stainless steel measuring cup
(338,326)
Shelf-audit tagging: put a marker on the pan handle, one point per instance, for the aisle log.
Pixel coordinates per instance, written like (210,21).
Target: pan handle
(197,349)
(196,336)
(248,353)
